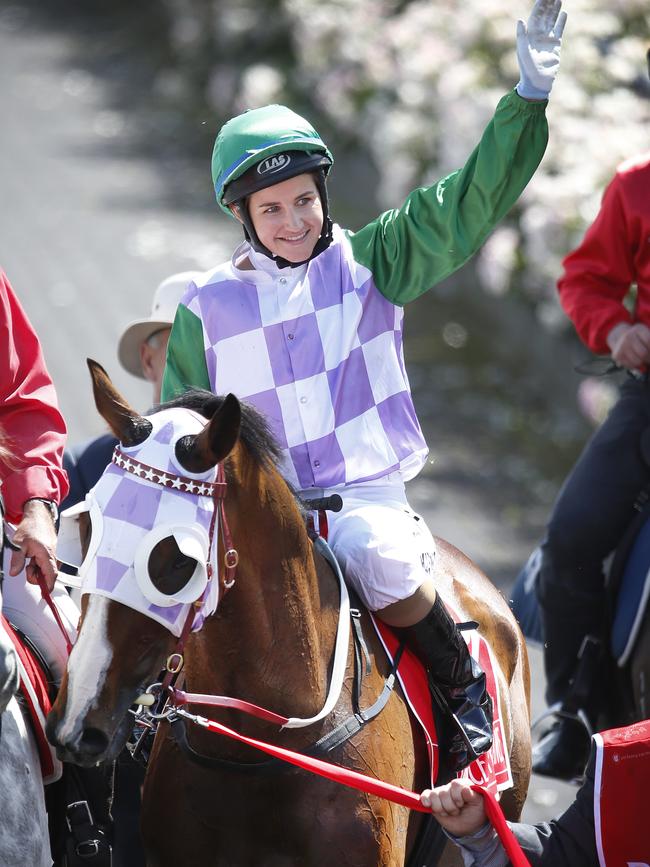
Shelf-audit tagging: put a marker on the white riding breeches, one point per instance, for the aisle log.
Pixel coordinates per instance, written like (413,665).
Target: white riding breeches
(384,548)
(23,606)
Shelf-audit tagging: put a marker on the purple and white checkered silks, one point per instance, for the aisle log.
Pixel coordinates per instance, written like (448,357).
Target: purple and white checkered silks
(318,350)
(130,513)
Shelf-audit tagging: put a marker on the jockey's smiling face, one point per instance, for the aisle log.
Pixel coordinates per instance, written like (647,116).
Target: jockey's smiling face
(288,217)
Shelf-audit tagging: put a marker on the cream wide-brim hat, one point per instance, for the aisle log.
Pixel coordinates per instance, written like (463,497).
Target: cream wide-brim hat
(163,311)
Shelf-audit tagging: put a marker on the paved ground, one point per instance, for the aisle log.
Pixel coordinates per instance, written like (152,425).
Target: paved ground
(87,230)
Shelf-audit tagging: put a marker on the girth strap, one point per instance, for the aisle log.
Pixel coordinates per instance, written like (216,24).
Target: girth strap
(359,648)
(354,724)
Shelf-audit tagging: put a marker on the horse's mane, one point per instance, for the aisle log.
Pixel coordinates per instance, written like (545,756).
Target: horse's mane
(255,432)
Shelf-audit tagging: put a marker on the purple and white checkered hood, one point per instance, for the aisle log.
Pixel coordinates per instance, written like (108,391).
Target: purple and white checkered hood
(128,510)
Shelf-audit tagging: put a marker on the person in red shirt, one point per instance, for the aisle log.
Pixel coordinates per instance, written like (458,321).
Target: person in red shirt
(33,482)
(596,502)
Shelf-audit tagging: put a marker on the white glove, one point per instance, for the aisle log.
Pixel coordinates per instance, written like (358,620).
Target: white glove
(538,49)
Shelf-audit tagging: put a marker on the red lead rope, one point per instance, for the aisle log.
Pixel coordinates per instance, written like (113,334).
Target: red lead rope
(498,820)
(47,597)
(355,780)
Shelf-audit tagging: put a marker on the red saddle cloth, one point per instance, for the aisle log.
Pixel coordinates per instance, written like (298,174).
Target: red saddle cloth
(621,779)
(492,769)
(34,688)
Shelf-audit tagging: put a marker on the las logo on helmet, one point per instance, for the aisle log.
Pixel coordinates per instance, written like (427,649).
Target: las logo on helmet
(273,164)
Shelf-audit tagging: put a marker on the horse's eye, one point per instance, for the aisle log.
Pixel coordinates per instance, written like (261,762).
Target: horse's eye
(169,568)
(182,561)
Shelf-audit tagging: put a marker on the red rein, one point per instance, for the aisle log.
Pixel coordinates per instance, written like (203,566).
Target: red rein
(45,593)
(355,780)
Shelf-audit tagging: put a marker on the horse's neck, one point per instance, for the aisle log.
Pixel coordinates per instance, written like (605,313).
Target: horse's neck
(276,628)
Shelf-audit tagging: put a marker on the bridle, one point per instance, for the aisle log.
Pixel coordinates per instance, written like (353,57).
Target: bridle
(217,491)
(160,693)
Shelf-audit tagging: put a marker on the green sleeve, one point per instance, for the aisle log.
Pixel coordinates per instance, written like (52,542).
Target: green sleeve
(185,367)
(440,227)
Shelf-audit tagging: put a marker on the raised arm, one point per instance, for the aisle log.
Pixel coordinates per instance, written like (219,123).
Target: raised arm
(440,227)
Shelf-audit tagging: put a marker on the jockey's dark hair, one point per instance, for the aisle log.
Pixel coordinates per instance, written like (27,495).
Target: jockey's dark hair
(254,432)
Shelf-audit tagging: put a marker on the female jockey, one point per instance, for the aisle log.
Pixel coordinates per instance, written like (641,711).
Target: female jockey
(305,323)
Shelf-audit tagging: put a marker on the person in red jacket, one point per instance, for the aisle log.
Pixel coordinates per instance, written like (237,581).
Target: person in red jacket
(33,481)
(596,502)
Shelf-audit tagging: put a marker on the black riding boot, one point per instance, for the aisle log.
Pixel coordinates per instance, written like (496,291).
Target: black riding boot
(457,682)
(563,751)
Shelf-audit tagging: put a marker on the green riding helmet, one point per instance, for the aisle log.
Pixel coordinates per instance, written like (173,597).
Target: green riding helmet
(279,142)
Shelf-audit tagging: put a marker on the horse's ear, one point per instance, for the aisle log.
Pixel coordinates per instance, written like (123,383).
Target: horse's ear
(129,426)
(199,452)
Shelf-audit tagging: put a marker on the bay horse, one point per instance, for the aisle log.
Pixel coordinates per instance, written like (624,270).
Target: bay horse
(270,641)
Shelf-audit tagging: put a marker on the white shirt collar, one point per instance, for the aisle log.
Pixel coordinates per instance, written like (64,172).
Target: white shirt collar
(263,265)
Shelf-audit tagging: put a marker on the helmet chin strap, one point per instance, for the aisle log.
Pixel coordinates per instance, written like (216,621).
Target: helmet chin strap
(323,242)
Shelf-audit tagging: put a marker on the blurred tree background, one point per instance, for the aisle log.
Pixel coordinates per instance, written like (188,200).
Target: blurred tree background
(401,89)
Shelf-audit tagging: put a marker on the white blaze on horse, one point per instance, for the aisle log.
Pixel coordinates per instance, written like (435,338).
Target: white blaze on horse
(188,484)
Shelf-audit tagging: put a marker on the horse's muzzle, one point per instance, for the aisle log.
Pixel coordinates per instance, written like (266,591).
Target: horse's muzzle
(86,747)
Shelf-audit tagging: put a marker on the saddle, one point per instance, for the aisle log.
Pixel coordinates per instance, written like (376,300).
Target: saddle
(491,769)
(36,696)
(629,583)
(628,586)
